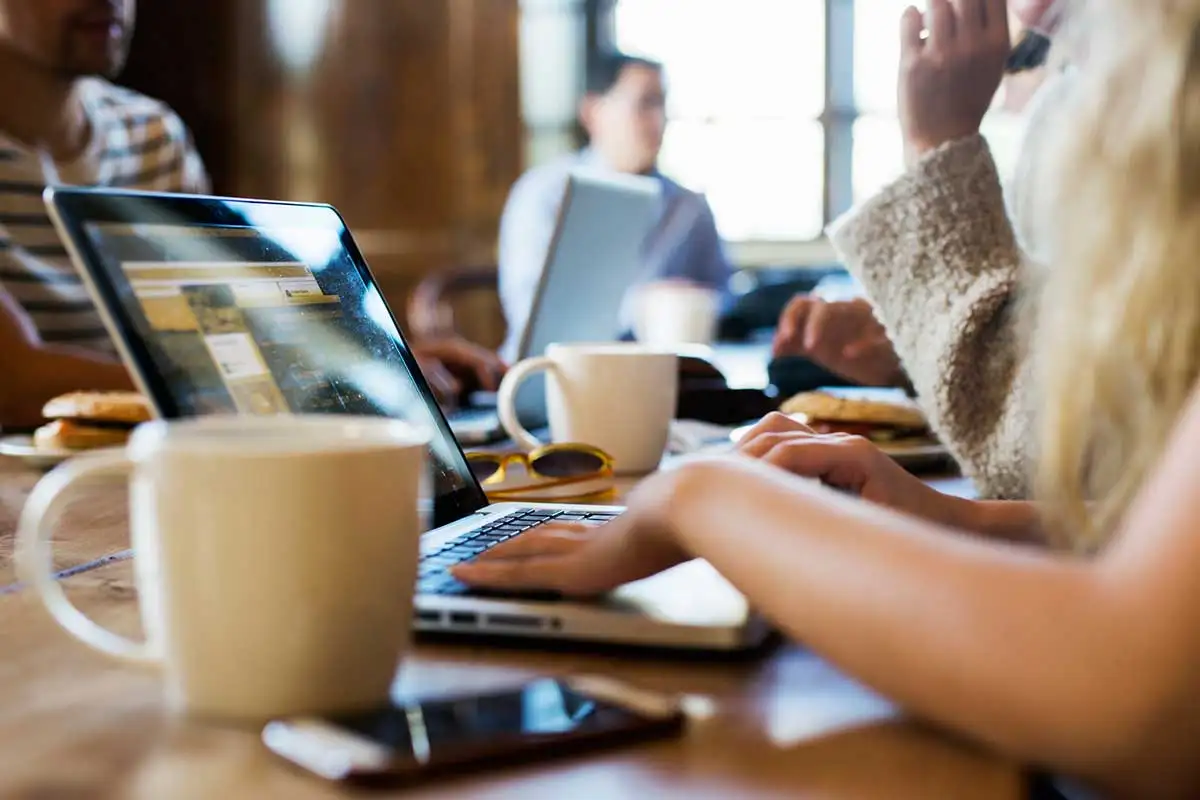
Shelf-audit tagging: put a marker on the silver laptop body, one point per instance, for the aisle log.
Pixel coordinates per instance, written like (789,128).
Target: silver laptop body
(287,281)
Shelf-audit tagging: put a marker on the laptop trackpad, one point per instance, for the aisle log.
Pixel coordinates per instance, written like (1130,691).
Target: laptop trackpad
(689,594)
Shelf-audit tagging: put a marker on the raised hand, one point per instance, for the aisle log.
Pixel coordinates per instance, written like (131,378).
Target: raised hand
(951,64)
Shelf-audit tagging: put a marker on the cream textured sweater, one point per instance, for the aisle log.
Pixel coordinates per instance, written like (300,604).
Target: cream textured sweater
(940,257)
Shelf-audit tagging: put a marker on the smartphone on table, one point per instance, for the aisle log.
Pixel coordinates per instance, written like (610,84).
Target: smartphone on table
(417,740)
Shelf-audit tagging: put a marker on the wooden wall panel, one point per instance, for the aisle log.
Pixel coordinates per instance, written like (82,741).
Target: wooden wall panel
(485,72)
(406,117)
(182,53)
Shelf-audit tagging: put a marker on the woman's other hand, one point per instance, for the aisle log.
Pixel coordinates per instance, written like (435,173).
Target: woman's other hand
(851,464)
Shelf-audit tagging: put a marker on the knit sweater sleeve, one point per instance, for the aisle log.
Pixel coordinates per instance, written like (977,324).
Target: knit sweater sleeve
(936,253)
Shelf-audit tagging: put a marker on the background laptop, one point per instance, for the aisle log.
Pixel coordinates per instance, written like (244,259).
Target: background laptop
(594,256)
(242,306)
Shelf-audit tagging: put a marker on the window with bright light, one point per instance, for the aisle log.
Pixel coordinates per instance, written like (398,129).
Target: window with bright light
(783,112)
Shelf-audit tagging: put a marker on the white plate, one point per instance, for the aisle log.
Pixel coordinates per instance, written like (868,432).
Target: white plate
(916,453)
(907,453)
(22,447)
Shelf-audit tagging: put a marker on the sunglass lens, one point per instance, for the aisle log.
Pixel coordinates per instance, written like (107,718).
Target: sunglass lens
(568,464)
(483,468)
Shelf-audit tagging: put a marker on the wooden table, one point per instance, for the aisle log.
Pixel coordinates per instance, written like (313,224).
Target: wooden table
(75,725)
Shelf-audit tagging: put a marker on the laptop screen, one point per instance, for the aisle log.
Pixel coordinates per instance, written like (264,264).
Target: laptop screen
(261,308)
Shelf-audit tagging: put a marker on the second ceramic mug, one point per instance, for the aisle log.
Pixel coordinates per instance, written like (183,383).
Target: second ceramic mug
(618,397)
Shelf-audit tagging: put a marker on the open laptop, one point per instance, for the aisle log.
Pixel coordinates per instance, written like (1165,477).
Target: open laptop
(244,306)
(594,256)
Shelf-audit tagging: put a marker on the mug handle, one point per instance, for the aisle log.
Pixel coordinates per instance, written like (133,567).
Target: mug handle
(506,400)
(34,561)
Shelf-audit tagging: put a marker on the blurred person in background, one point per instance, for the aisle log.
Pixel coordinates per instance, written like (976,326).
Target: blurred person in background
(62,120)
(624,113)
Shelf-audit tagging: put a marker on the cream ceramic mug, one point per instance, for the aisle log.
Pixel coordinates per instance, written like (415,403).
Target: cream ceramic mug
(618,397)
(275,558)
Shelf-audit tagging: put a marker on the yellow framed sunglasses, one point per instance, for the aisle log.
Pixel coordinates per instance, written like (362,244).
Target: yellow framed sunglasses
(551,465)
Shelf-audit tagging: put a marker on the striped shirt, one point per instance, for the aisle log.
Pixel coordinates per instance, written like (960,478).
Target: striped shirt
(136,143)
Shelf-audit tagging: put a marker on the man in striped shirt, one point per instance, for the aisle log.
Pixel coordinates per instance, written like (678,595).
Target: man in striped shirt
(62,121)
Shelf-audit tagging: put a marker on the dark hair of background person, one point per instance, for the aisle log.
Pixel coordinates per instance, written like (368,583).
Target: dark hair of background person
(605,69)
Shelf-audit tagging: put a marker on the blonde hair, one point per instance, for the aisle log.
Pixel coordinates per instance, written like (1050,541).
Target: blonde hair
(1118,315)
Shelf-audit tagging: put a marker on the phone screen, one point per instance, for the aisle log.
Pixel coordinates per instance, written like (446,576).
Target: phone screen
(536,720)
(544,708)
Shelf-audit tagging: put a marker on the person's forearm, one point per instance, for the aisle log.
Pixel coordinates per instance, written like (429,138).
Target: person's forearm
(32,372)
(1015,648)
(45,372)
(1004,520)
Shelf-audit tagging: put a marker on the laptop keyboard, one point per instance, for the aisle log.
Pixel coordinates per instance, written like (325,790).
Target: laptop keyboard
(433,573)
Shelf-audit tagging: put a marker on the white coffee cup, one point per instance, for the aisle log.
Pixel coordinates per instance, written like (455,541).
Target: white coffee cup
(275,558)
(670,314)
(618,397)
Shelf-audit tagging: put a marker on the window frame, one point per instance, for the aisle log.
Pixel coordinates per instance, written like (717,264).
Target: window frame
(837,119)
